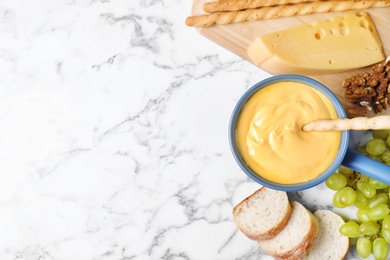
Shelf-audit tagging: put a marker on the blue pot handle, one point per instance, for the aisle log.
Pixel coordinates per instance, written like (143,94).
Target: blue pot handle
(367,166)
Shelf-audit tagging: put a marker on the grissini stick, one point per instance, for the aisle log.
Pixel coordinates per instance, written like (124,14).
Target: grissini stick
(235,5)
(357,123)
(207,20)
(228,5)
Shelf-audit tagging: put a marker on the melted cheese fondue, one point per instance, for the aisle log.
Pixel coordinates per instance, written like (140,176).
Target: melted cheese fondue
(270,136)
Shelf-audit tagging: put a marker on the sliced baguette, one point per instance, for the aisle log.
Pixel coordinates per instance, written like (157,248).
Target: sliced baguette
(329,244)
(263,214)
(295,240)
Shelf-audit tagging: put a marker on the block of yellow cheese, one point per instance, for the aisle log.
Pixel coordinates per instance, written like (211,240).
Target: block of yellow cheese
(327,46)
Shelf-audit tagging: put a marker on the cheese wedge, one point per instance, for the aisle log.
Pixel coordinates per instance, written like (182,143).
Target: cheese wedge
(327,46)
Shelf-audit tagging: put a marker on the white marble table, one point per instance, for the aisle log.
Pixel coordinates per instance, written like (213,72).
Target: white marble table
(113,134)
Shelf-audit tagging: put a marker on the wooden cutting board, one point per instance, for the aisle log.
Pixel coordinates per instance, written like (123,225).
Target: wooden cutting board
(237,37)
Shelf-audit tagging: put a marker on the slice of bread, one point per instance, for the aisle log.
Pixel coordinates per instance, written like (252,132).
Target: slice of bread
(295,240)
(329,244)
(263,214)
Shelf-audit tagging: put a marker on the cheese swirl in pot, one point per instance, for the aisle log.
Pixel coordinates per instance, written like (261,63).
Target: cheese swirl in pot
(270,136)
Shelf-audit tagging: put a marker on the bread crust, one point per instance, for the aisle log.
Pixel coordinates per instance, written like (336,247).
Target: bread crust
(271,233)
(304,247)
(296,251)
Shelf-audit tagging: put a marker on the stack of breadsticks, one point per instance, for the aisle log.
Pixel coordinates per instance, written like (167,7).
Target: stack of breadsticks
(235,11)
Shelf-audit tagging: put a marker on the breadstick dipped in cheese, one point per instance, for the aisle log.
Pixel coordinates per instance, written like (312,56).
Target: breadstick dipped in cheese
(229,5)
(280,11)
(357,123)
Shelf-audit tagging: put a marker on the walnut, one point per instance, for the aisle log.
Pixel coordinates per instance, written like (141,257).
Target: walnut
(369,91)
(358,111)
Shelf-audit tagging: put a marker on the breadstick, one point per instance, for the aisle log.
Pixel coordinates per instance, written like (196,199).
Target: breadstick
(357,123)
(207,20)
(236,5)
(229,5)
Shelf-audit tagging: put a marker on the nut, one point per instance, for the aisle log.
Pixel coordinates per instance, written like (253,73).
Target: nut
(368,91)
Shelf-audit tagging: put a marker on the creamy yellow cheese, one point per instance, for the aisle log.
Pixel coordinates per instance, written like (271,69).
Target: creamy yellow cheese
(270,138)
(327,46)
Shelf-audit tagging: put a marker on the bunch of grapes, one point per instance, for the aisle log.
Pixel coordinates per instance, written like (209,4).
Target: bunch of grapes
(369,196)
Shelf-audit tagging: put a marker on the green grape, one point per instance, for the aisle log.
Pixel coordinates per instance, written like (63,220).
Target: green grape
(337,202)
(336,181)
(366,189)
(345,170)
(386,156)
(362,150)
(377,184)
(378,212)
(369,228)
(371,198)
(363,247)
(376,146)
(380,248)
(362,215)
(361,201)
(350,229)
(380,134)
(386,223)
(347,196)
(364,178)
(344,198)
(380,198)
(376,157)
(386,234)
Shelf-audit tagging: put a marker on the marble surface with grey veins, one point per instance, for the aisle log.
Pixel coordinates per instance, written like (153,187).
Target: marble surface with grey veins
(113,134)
